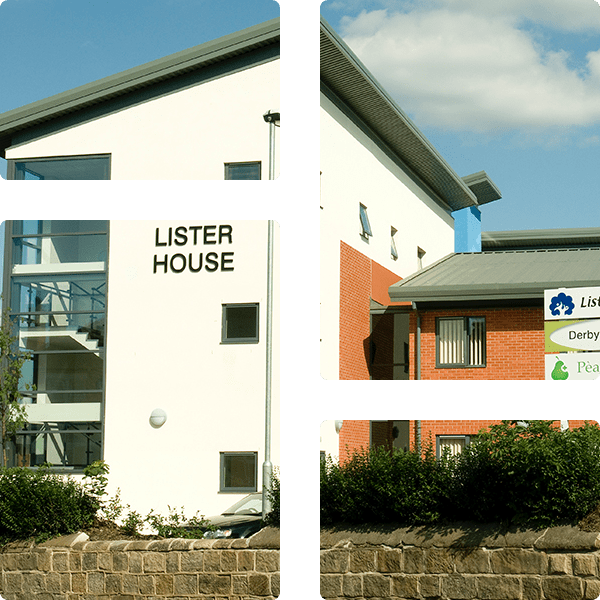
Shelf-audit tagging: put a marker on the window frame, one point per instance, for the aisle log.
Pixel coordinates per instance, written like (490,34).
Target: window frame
(11,168)
(228,165)
(223,489)
(245,340)
(467,321)
(449,436)
(365,224)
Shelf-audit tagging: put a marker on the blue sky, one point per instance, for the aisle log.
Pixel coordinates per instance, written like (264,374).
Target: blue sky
(50,46)
(511,88)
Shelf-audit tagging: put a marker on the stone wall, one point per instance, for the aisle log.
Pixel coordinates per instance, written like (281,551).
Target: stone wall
(561,563)
(72,568)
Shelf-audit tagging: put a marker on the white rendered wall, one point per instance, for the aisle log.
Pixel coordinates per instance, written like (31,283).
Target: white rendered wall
(330,440)
(353,171)
(185,135)
(164,351)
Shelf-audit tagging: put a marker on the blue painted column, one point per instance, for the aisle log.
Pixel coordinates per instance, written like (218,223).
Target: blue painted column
(467,229)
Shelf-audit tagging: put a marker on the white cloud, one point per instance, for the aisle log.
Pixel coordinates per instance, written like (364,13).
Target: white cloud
(470,71)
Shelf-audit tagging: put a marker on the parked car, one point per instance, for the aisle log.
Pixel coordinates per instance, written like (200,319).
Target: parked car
(240,520)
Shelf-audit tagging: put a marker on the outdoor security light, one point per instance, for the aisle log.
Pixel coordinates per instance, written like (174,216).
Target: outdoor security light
(338,426)
(273,118)
(158,418)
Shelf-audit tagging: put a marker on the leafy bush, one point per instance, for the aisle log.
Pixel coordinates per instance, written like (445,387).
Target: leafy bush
(41,504)
(272,518)
(379,486)
(534,474)
(530,474)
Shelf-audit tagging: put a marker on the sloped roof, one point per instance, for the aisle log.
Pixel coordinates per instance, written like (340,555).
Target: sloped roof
(178,65)
(540,238)
(500,275)
(348,79)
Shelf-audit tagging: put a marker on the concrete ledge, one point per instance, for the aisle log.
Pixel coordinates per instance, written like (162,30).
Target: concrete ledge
(462,536)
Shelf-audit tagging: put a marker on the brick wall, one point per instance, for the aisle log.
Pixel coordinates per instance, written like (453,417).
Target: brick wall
(355,435)
(482,563)
(355,294)
(68,569)
(360,280)
(514,344)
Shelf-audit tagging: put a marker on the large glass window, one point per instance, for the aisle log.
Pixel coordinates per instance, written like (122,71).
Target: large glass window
(68,167)
(461,342)
(58,300)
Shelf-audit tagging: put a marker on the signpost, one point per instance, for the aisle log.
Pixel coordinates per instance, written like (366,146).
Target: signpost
(572,329)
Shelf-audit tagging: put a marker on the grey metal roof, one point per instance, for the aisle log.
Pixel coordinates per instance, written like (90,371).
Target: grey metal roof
(540,238)
(500,275)
(350,80)
(175,65)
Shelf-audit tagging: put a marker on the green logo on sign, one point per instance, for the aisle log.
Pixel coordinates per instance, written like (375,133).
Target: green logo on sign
(560,371)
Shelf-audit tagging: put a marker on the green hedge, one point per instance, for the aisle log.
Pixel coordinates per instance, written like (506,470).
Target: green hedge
(535,475)
(36,503)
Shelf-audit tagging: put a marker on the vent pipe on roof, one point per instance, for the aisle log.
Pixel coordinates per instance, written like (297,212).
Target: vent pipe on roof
(467,229)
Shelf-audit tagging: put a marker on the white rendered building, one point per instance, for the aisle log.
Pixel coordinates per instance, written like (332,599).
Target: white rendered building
(196,114)
(149,351)
(390,205)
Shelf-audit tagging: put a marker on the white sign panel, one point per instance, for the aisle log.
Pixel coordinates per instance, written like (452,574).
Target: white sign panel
(572,303)
(582,335)
(576,366)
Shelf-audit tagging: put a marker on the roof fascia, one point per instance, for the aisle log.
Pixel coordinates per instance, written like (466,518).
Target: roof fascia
(393,156)
(138,77)
(465,197)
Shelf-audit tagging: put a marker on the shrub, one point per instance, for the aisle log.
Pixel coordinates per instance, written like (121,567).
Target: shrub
(382,486)
(273,517)
(41,504)
(533,474)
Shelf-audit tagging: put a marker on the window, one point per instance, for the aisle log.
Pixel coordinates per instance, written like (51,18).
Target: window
(394,250)
(364,222)
(453,444)
(245,170)
(239,472)
(240,324)
(64,167)
(460,342)
(56,288)
(420,255)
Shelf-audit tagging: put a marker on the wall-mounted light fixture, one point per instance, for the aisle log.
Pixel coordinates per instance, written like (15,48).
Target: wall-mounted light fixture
(274,120)
(338,426)
(158,418)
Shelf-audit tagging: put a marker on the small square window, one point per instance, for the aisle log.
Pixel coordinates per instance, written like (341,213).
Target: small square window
(460,342)
(239,472)
(364,222)
(243,171)
(240,324)
(452,444)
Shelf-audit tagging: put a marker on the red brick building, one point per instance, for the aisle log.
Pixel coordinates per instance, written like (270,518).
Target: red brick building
(455,434)
(480,315)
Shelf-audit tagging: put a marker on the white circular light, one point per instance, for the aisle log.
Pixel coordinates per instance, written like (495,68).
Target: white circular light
(158,418)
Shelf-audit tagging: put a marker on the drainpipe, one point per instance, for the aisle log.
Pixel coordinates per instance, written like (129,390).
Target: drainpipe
(418,436)
(268,465)
(417,344)
(274,120)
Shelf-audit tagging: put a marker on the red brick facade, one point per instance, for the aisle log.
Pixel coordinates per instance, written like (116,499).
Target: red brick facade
(360,280)
(355,435)
(514,344)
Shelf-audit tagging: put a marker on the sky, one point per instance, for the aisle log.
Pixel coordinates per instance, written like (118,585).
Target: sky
(51,46)
(511,88)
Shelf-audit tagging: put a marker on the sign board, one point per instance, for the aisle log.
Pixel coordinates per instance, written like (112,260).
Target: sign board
(564,336)
(572,303)
(576,366)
